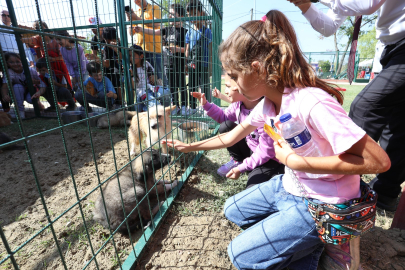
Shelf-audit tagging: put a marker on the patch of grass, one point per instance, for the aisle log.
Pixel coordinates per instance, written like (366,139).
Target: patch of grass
(351,92)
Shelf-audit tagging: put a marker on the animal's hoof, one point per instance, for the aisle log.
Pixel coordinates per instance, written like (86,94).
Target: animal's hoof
(132,153)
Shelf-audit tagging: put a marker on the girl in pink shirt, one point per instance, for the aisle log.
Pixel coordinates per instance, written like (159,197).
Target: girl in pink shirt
(264,59)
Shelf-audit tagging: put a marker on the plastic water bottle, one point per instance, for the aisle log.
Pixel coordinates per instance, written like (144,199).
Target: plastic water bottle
(299,138)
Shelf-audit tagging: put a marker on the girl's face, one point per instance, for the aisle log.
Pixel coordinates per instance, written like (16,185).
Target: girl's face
(15,64)
(250,85)
(231,90)
(137,59)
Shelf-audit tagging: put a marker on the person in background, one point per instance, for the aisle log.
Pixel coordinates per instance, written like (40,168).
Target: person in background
(54,55)
(60,83)
(197,49)
(151,44)
(174,39)
(19,83)
(69,53)
(94,89)
(95,48)
(9,43)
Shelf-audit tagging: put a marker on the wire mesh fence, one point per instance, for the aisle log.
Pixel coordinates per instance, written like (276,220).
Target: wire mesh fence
(329,65)
(93,89)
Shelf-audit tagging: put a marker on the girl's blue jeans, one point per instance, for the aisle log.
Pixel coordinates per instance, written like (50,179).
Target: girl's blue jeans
(282,232)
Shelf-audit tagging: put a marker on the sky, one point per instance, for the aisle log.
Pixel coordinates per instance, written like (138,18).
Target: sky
(57,14)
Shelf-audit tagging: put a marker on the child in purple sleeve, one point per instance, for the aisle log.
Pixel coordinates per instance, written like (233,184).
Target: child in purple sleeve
(69,54)
(254,154)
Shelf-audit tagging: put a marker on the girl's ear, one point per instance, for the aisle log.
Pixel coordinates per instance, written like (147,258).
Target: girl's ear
(256,66)
(141,56)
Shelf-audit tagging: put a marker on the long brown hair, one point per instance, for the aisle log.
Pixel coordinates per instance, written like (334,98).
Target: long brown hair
(274,44)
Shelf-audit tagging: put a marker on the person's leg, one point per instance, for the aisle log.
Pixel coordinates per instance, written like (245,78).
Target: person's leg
(173,82)
(19,94)
(192,86)
(182,87)
(283,231)
(205,87)
(376,110)
(63,94)
(79,97)
(240,150)
(264,172)
(49,97)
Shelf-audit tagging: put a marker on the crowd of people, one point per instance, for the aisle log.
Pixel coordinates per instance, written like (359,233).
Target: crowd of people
(160,57)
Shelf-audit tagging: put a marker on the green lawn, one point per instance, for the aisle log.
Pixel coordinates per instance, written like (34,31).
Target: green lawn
(349,95)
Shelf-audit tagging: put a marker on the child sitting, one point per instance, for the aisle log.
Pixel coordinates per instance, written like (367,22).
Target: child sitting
(94,88)
(60,84)
(255,153)
(69,54)
(19,83)
(142,79)
(264,59)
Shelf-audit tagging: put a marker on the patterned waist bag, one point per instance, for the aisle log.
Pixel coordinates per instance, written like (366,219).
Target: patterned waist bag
(339,223)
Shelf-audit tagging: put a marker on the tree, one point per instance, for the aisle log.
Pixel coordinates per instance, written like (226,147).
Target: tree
(367,44)
(324,65)
(346,31)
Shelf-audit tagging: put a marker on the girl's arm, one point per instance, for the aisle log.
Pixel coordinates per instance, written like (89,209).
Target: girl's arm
(364,157)
(221,141)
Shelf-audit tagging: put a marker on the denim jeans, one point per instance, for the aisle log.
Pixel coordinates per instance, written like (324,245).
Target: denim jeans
(155,59)
(282,232)
(98,100)
(149,102)
(21,93)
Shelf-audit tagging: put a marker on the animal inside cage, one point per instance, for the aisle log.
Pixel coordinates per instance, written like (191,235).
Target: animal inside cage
(85,176)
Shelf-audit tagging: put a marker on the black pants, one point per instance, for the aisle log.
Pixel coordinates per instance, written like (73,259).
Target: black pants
(177,82)
(62,94)
(379,109)
(241,150)
(198,78)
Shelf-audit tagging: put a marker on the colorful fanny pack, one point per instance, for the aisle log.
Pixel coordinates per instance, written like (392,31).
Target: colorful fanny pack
(339,223)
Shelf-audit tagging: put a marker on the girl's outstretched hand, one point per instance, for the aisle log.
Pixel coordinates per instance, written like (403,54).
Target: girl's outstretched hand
(233,174)
(283,152)
(178,145)
(200,97)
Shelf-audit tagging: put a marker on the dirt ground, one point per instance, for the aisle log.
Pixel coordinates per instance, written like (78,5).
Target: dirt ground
(194,235)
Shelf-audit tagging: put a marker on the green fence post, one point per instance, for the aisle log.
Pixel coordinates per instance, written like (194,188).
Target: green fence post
(125,55)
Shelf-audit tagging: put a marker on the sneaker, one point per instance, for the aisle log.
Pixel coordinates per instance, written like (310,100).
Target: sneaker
(71,108)
(50,109)
(176,111)
(224,169)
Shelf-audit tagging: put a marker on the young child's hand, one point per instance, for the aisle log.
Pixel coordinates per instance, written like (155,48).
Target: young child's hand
(216,93)
(110,94)
(200,97)
(178,145)
(234,173)
(283,152)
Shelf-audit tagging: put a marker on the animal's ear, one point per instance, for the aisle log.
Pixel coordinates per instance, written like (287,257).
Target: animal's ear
(169,109)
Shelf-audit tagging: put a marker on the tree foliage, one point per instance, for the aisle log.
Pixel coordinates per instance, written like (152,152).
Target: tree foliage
(325,65)
(367,44)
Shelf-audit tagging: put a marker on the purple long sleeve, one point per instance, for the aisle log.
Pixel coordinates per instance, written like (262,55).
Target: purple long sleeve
(261,153)
(260,143)
(219,115)
(70,58)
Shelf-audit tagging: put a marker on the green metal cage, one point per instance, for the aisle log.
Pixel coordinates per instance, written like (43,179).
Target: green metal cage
(57,162)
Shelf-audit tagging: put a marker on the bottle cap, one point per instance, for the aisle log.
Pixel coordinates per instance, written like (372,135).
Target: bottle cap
(285,117)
